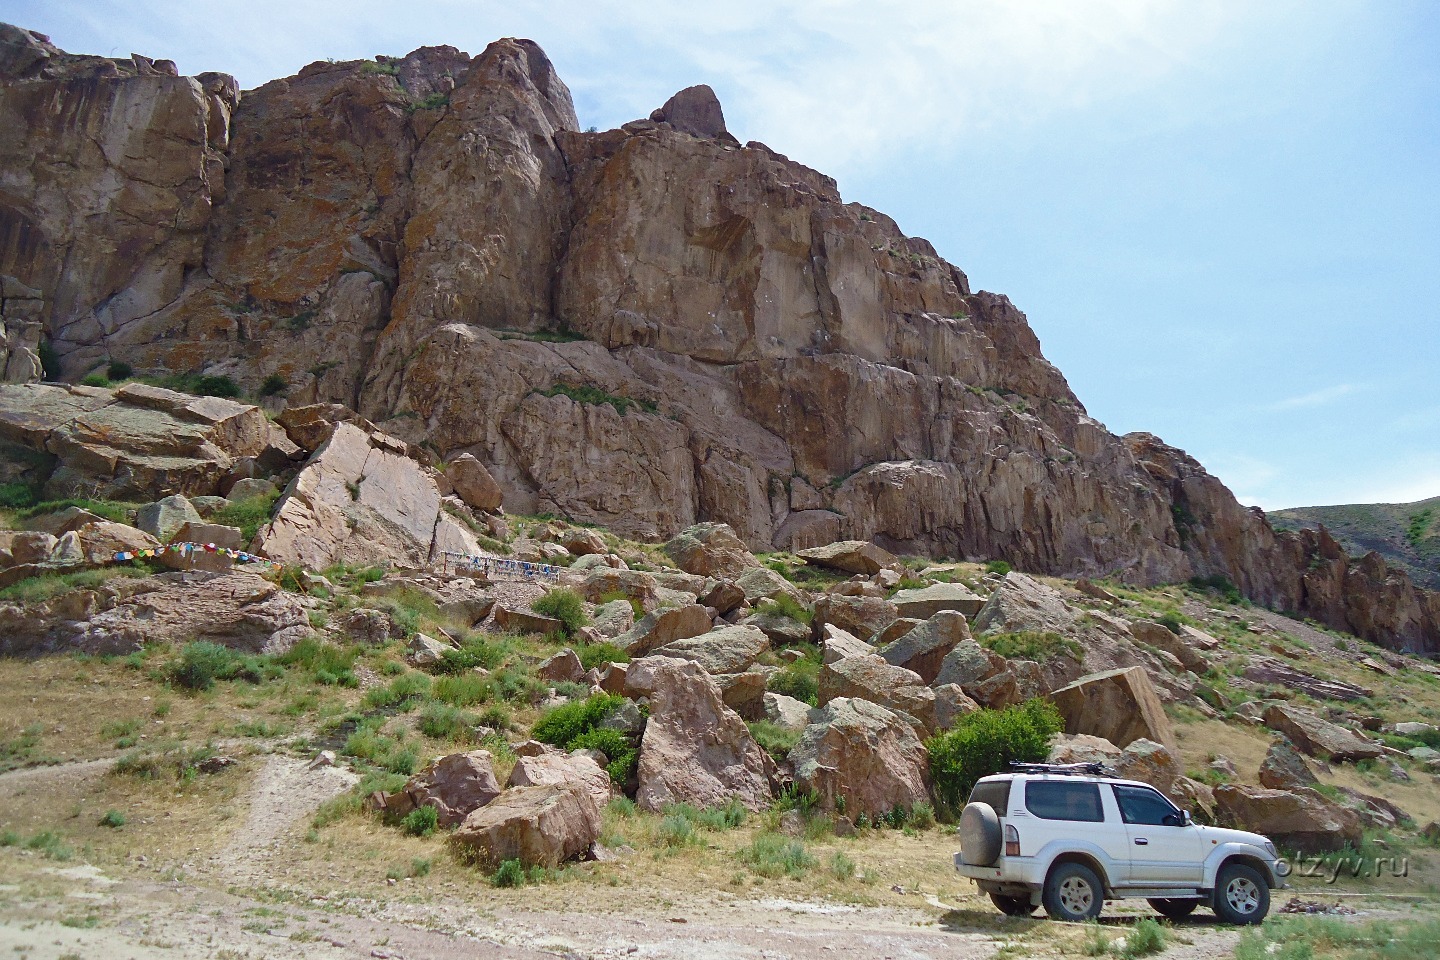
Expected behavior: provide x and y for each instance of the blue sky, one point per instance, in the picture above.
(1222, 218)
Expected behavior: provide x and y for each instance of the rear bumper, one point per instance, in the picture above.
(1007, 870)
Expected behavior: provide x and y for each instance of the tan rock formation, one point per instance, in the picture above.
(863, 753)
(1118, 705)
(542, 826)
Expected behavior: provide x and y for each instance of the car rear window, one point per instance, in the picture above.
(996, 793)
(1060, 800)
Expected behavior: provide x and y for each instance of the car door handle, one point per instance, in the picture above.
(1141, 842)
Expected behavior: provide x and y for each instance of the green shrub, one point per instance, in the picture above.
(985, 742)
(179, 763)
(510, 874)
(463, 689)
(476, 651)
(119, 370)
(249, 514)
(800, 679)
(599, 654)
(113, 819)
(15, 495)
(94, 380)
(421, 822)
(1171, 620)
(773, 738)
(785, 606)
(496, 715)
(564, 724)
(402, 692)
(1145, 938)
(441, 721)
(772, 855)
(997, 567)
(565, 605)
(621, 754)
(841, 866)
(202, 663)
(677, 830)
(1220, 584)
(328, 664)
(1032, 645)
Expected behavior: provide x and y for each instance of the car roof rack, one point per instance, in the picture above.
(1092, 769)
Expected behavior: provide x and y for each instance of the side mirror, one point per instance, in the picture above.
(1186, 819)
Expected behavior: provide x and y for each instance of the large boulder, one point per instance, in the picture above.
(473, 483)
(663, 626)
(1082, 748)
(633, 584)
(863, 753)
(1318, 737)
(924, 648)
(968, 663)
(722, 650)
(164, 518)
(711, 550)
(1119, 705)
(924, 603)
(837, 644)
(523, 620)
(786, 711)
(539, 826)
(1152, 763)
(100, 540)
(871, 678)
(951, 703)
(1024, 603)
(762, 583)
(1301, 819)
(696, 111)
(782, 630)
(613, 618)
(695, 749)
(850, 556)
(546, 769)
(455, 785)
(362, 499)
(1285, 769)
(1160, 637)
(862, 616)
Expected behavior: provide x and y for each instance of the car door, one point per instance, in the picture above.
(1069, 810)
(1164, 850)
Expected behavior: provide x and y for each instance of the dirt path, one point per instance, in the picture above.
(285, 794)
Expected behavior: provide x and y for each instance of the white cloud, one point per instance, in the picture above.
(1315, 398)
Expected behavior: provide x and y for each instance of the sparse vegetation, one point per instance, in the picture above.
(1033, 645)
(997, 567)
(565, 605)
(596, 396)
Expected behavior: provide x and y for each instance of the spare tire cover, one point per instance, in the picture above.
(979, 834)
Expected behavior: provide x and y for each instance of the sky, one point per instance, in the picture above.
(1221, 217)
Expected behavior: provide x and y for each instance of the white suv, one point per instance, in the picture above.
(1070, 837)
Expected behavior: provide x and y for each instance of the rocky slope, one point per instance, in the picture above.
(1407, 535)
(640, 327)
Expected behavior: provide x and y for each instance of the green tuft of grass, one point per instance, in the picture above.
(421, 822)
(113, 819)
(511, 874)
(249, 514)
(772, 855)
(595, 396)
(786, 606)
(1032, 645)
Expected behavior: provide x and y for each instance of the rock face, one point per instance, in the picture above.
(711, 550)
(1118, 705)
(1285, 769)
(695, 749)
(542, 826)
(1301, 819)
(850, 556)
(741, 346)
(864, 753)
(362, 499)
(923, 649)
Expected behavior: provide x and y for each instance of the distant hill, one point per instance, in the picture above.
(1405, 534)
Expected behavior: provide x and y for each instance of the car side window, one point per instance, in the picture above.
(1061, 800)
(1141, 806)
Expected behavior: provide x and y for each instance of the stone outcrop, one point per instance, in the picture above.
(432, 241)
(1269, 670)
(850, 556)
(924, 603)
(1285, 769)
(1024, 603)
(664, 626)
(695, 749)
(923, 648)
(473, 483)
(1317, 736)
(1299, 819)
(362, 499)
(1118, 705)
(237, 609)
(863, 617)
(543, 826)
(863, 753)
(871, 678)
(136, 443)
(711, 550)
(722, 650)
(548, 769)
(455, 785)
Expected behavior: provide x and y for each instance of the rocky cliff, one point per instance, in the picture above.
(640, 327)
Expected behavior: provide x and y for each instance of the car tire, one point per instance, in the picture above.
(1175, 909)
(1073, 893)
(1013, 906)
(1241, 895)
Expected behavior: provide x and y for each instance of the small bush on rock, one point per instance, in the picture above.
(565, 605)
(985, 742)
(622, 755)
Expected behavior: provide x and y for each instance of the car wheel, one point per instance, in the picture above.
(1012, 906)
(1241, 894)
(1073, 893)
(1174, 909)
